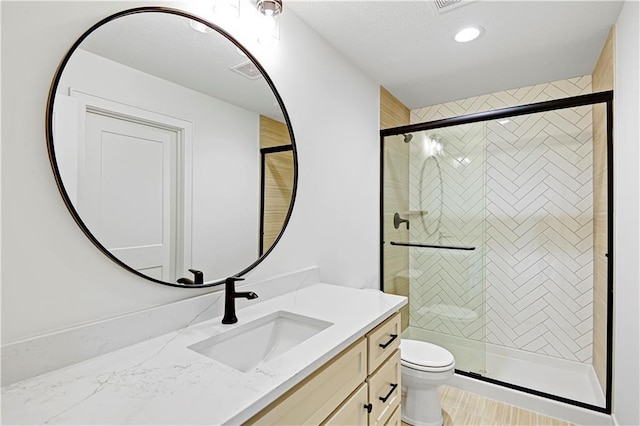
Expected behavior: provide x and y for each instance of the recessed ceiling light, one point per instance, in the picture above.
(468, 34)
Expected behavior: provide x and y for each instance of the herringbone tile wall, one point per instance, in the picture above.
(447, 193)
(525, 95)
(521, 192)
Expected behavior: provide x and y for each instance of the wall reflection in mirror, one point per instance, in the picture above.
(171, 148)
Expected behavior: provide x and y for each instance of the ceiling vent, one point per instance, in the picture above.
(447, 5)
(247, 69)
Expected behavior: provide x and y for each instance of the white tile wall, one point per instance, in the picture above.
(524, 95)
(448, 282)
(539, 234)
(521, 192)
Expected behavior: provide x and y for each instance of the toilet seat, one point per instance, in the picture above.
(423, 356)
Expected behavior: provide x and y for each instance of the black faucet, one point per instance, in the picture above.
(230, 296)
(198, 278)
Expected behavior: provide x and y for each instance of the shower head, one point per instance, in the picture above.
(407, 137)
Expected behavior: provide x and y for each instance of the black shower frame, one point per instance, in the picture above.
(606, 98)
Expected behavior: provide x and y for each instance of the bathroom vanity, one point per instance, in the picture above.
(335, 362)
(360, 386)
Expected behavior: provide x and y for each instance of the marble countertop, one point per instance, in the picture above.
(161, 381)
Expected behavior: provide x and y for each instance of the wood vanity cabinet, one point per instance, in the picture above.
(359, 386)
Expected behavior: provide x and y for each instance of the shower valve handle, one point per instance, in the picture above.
(397, 221)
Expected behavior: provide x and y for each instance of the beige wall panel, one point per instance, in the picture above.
(396, 189)
(393, 113)
(602, 79)
(401, 288)
(273, 133)
(278, 178)
(278, 191)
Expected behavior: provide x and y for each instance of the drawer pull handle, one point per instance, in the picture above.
(384, 345)
(368, 407)
(393, 387)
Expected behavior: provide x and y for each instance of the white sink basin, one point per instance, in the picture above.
(248, 345)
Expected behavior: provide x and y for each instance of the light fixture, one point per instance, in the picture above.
(269, 31)
(468, 34)
(269, 7)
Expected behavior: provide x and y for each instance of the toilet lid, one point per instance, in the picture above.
(422, 354)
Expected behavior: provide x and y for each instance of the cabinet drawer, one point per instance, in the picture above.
(382, 342)
(353, 412)
(317, 396)
(384, 390)
(395, 419)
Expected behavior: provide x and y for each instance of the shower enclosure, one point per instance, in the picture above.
(496, 226)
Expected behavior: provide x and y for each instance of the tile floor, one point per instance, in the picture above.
(461, 408)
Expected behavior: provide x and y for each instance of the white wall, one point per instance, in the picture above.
(626, 378)
(53, 277)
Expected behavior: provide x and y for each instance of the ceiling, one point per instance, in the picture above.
(165, 45)
(408, 46)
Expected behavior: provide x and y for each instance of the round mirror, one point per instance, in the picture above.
(171, 147)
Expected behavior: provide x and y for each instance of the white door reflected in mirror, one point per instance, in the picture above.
(130, 192)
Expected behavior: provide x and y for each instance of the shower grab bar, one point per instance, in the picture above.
(394, 243)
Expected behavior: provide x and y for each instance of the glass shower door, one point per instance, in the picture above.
(433, 230)
(498, 232)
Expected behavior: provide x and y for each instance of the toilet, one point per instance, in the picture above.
(424, 367)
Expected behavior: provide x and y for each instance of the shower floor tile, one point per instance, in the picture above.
(462, 408)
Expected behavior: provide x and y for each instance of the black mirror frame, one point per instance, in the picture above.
(56, 171)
